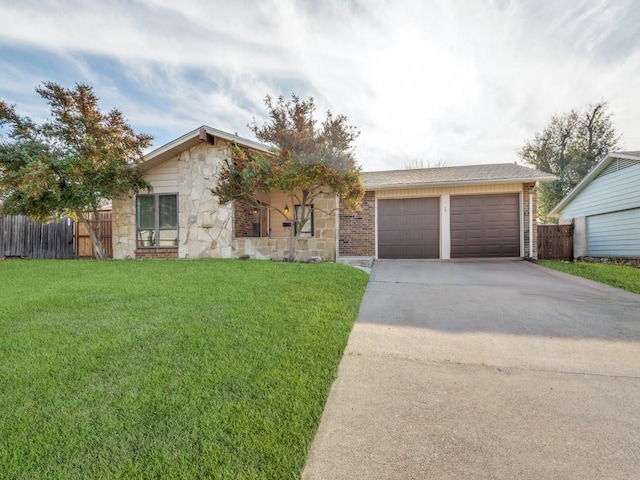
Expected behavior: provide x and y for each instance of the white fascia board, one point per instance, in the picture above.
(184, 142)
(245, 142)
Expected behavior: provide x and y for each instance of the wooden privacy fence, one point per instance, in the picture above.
(555, 242)
(84, 245)
(20, 236)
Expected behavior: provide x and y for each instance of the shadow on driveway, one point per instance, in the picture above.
(507, 296)
(473, 370)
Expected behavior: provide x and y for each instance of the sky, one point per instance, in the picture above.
(455, 82)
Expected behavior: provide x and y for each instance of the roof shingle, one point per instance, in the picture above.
(492, 173)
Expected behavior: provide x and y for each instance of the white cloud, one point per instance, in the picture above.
(463, 82)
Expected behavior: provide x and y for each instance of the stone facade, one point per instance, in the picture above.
(357, 229)
(204, 226)
(123, 224)
(206, 229)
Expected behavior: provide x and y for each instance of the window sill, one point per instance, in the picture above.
(152, 252)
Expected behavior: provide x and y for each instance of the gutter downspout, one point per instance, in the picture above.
(531, 223)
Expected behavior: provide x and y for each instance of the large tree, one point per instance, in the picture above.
(69, 164)
(568, 147)
(306, 160)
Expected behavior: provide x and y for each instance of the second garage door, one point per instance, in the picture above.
(485, 226)
(409, 228)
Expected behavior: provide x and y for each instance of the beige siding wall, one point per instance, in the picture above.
(280, 200)
(164, 177)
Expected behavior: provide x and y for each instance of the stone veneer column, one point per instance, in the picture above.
(206, 227)
(123, 224)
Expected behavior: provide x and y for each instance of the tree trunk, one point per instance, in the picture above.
(293, 242)
(93, 234)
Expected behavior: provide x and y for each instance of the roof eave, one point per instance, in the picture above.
(587, 179)
(458, 183)
(189, 140)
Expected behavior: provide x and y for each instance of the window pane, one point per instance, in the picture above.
(146, 212)
(146, 238)
(168, 238)
(255, 222)
(264, 222)
(168, 211)
(307, 228)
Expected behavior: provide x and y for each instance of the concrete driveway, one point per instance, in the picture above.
(485, 370)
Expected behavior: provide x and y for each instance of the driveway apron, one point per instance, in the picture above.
(484, 370)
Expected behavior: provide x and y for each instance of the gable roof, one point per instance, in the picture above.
(592, 175)
(381, 180)
(464, 175)
(192, 139)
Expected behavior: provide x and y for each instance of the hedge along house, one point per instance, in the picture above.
(605, 208)
(450, 212)
(181, 218)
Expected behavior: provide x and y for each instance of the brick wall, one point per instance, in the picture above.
(159, 253)
(357, 229)
(242, 219)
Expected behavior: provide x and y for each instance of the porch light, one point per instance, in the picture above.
(255, 211)
(286, 209)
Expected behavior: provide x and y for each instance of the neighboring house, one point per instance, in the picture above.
(450, 212)
(605, 208)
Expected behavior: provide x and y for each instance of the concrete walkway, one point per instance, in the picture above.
(485, 370)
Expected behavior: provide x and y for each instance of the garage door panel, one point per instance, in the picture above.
(398, 221)
(493, 217)
(409, 228)
(414, 206)
(485, 226)
(418, 237)
(399, 236)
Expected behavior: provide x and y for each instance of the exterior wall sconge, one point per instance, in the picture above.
(254, 211)
(286, 209)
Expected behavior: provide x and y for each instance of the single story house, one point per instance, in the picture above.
(450, 212)
(605, 208)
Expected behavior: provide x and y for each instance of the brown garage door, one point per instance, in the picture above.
(485, 226)
(409, 228)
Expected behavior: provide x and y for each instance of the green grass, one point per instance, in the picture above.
(167, 369)
(627, 278)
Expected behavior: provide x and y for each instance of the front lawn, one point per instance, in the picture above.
(167, 369)
(627, 278)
